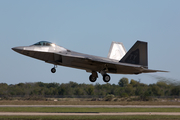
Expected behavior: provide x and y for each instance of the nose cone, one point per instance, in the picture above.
(18, 49)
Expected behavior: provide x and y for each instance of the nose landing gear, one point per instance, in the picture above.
(53, 70)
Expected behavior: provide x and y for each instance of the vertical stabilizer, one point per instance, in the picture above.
(116, 51)
(137, 54)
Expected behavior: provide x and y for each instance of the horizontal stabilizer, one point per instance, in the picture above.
(150, 71)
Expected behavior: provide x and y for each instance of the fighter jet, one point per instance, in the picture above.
(135, 61)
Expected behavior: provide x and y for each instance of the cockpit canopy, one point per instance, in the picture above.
(45, 43)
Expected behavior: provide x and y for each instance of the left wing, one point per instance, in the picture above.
(94, 63)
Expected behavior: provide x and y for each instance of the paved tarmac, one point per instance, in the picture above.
(98, 106)
(67, 114)
(92, 113)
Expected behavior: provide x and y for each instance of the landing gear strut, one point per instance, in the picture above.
(53, 70)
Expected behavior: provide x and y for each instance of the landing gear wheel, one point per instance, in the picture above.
(92, 78)
(106, 78)
(53, 70)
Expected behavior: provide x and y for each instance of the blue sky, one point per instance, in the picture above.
(88, 27)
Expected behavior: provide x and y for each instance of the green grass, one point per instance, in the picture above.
(83, 102)
(61, 109)
(150, 117)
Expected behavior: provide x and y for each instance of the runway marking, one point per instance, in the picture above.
(82, 114)
(97, 106)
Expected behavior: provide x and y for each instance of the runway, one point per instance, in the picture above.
(84, 114)
(90, 113)
(97, 106)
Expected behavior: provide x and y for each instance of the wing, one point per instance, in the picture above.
(88, 62)
(95, 63)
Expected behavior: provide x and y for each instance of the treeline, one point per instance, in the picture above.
(123, 88)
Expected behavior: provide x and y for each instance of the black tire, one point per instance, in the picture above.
(106, 78)
(92, 79)
(53, 70)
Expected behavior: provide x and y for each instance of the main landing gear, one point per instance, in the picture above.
(93, 77)
(106, 78)
(53, 70)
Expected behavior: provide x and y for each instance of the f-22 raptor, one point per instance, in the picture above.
(135, 61)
